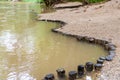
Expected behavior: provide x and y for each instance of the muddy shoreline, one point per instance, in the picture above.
(99, 21)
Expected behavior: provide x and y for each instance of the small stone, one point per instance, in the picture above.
(98, 41)
(49, 77)
(61, 72)
(109, 58)
(100, 61)
(91, 40)
(89, 66)
(72, 75)
(98, 66)
(53, 30)
(112, 48)
(112, 53)
(79, 38)
(83, 38)
(80, 70)
(102, 58)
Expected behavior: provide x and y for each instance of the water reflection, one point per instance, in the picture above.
(19, 76)
(8, 40)
(13, 45)
(15, 58)
(29, 43)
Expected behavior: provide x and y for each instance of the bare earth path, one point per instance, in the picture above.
(99, 21)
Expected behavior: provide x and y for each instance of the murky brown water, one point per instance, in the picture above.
(29, 50)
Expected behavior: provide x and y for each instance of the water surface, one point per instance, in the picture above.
(29, 50)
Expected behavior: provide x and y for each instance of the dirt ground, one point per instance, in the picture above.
(99, 21)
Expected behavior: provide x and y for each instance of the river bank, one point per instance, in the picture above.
(99, 21)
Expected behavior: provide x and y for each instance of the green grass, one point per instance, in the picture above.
(95, 1)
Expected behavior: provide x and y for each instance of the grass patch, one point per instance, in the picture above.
(95, 1)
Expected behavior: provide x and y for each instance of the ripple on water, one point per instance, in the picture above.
(3, 20)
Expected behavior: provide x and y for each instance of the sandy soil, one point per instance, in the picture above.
(99, 21)
(68, 4)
